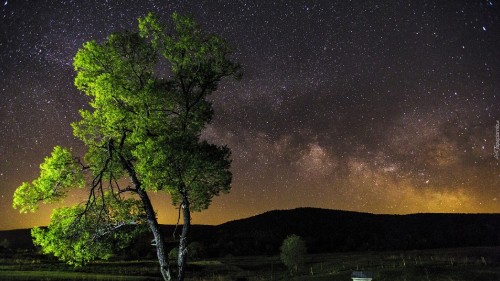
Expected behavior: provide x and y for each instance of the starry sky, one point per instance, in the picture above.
(372, 106)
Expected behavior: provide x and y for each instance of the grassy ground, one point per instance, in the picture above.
(465, 264)
(64, 275)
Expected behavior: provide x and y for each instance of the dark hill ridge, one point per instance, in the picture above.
(330, 230)
(327, 231)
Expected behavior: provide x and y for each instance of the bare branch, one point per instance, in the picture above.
(178, 219)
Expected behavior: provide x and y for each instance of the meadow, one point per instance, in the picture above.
(461, 264)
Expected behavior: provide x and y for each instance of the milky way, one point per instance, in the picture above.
(373, 106)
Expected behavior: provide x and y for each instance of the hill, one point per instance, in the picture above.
(331, 230)
(325, 231)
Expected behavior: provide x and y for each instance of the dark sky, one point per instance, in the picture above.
(373, 106)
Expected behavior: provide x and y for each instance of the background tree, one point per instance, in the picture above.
(4, 244)
(292, 252)
(173, 254)
(143, 135)
(196, 250)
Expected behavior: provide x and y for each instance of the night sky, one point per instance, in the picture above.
(372, 106)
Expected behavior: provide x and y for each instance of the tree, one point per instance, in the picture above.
(173, 255)
(196, 250)
(4, 244)
(142, 135)
(293, 251)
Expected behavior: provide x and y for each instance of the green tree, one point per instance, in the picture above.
(173, 254)
(196, 250)
(4, 244)
(293, 251)
(142, 135)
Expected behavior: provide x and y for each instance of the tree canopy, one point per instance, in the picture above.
(148, 95)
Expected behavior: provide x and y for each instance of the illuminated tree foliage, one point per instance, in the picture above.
(142, 135)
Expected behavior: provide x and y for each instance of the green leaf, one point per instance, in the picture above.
(82, 233)
(58, 173)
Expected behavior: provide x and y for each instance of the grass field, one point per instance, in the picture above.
(464, 264)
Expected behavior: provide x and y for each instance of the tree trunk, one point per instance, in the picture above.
(186, 217)
(155, 229)
(153, 223)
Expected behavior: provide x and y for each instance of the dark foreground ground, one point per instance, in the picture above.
(462, 264)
